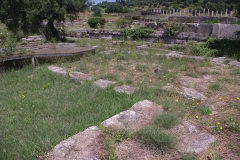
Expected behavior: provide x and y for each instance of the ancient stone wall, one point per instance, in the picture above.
(192, 32)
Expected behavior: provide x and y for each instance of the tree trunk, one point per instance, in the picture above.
(54, 31)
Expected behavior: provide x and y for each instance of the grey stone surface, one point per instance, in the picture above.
(234, 63)
(139, 114)
(82, 146)
(103, 83)
(57, 70)
(75, 76)
(191, 93)
(191, 138)
(219, 60)
(124, 89)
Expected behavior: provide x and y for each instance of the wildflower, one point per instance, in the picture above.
(150, 80)
(176, 100)
(197, 103)
(220, 98)
(218, 123)
(23, 96)
(238, 98)
(197, 117)
(220, 127)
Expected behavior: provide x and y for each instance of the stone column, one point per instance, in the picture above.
(231, 13)
(166, 12)
(195, 13)
(208, 13)
(221, 13)
(180, 12)
(203, 11)
(226, 12)
(163, 11)
(217, 13)
(173, 12)
(212, 13)
(177, 12)
(199, 13)
(184, 12)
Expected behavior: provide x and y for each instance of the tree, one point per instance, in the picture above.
(28, 15)
(237, 4)
(96, 12)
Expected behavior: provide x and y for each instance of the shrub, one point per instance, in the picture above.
(9, 46)
(166, 120)
(138, 33)
(96, 12)
(93, 22)
(224, 47)
(122, 23)
(172, 28)
(156, 138)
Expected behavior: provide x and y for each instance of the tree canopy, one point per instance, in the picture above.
(27, 16)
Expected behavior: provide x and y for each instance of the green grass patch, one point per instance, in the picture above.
(154, 137)
(166, 120)
(205, 110)
(188, 156)
(37, 113)
(110, 138)
(214, 87)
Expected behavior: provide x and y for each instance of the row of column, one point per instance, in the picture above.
(192, 13)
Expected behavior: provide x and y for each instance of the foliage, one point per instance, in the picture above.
(166, 120)
(96, 12)
(28, 15)
(9, 46)
(156, 138)
(93, 22)
(200, 50)
(171, 28)
(123, 22)
(224, 47)
(138, 33)
(116, 8)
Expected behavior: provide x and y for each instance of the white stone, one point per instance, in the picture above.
(57, 70)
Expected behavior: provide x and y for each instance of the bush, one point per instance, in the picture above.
(166, 120)
(9, 46)
(224, 47)
(201, 50)
(138, 33)
(156, 138)
(122, 23)
(172, 28)
(96, 12)
(93, 22)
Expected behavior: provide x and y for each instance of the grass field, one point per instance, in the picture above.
(38, 109)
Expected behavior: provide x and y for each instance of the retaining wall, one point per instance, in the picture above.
(192, 31)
